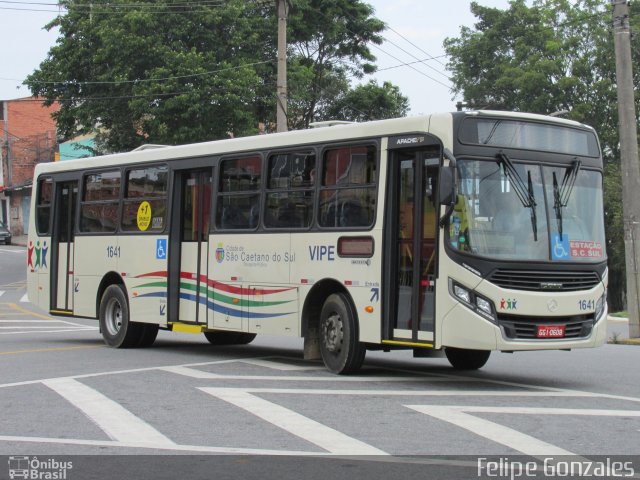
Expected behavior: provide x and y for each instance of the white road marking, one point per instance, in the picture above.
(25, 298)
(61, 330)
(325, 437)
(19, 320)
(49, 322)
(1, 292)
(6, 250)
(280, 365)
(26, 327)
(407, 393)
(190, 372)
(116, 421)
(506, 436)
(551, 411)
(175, 446)
(195, 373)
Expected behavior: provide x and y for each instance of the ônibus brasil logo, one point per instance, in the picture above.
(34, 468)
(219, 253)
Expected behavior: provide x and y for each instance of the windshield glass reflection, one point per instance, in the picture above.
(491, 219)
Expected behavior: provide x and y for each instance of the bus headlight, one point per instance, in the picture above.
(462, 293)
(600, 305)
(473, 300)
(484, 306)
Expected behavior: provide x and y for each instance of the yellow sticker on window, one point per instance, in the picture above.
(144, 216)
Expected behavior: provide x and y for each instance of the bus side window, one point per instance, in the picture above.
(43, 206)
(348, 187)
(290, 188)
(100, 200)
(238, 197)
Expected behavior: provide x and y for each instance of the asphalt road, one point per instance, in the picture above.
(264, 412)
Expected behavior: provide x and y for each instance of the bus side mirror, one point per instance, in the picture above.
(446, 186)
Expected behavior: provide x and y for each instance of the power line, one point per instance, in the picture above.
(431, 57)
(141, 80)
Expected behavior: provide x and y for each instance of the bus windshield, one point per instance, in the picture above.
(518, 211)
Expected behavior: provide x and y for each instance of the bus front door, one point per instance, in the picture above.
(195, 207)
(415, 250)
(62, 251)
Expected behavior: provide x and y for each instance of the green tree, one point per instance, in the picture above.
(329, 44)
(175, 72)
(163, 71)
(369, 102)
(555, 55)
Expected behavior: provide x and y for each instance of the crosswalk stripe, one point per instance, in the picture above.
(314, 432)
(506, 436)
(282, 366)
(115, 420)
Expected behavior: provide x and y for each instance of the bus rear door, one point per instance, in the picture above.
(194, 209)
(62, 248)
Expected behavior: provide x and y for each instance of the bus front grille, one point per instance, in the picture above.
(535, 280)
(526, 328)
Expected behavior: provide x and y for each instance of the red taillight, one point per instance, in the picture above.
(355, 246)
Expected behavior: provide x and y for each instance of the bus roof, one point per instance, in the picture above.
(439, 124)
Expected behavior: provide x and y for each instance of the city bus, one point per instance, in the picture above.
(453, 234)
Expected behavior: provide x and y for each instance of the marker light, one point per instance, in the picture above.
(368, 309)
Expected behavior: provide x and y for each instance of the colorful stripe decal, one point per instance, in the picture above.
(213, 299)
(232, 312)
(218, 285)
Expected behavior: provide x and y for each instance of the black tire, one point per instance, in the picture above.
(149, 334)
(229, 338)
(117, 330)
(341, 350)
(463, 359)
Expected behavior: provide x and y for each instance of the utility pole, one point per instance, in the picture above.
(628, 160)
(281, 85)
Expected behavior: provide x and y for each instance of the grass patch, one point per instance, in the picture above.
(623, 314)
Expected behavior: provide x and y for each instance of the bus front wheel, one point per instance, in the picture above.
(117, 330)
(465, 359)
(340, 347)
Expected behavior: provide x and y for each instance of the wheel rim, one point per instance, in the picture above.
(333, 333)
(113, 317)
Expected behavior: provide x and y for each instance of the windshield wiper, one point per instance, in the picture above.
(523, 192)
(561, 195)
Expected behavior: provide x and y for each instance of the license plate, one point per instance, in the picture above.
(550, 331)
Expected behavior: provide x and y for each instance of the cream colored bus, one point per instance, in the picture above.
(459, 233)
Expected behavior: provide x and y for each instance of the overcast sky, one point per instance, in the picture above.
(423, 23)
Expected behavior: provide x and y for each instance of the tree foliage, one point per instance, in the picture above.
(173, 72)
(552, 56)
(369, 102)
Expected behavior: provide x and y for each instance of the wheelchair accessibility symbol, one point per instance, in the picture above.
(161, 248)
(560, 247)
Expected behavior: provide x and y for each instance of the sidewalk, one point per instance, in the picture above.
(19, 240)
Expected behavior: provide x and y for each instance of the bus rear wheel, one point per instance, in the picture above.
(465, 359)
(340, 347)
(229, 338)
(117, 329)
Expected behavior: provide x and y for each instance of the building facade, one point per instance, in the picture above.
(27, 137)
